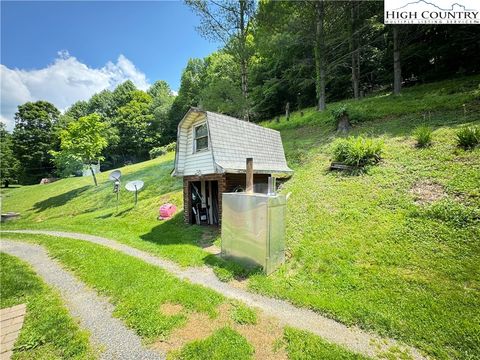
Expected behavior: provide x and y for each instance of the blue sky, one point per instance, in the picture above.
(63, 51)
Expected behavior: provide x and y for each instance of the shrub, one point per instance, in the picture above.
(339, 112)
(157, 151)
(162, 150)
(171, 147)
(357, 151)
(468, 137)
(423, 135)
(341, 118)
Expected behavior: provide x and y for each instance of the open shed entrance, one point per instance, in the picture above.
(204, 209)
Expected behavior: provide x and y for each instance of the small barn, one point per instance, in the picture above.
(211, 158)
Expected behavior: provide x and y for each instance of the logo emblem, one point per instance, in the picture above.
(432, 12)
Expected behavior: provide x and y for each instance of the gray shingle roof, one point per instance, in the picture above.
(233, 140)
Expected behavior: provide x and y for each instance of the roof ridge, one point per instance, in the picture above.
(248, 123)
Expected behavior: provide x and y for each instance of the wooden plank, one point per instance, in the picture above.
(340, 166)
(249, 179)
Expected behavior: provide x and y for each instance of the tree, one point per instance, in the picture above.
(397, 70)
(221, 91)
(33, 139)
(103, 104)
(134, 122)
(229, 22)
(162, 100)
(122, 94)
(191, 84)
(79, 109)
(8, 162)
(320, 61)
(84, 139)
(354, 46)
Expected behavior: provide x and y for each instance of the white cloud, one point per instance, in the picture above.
(62, 83)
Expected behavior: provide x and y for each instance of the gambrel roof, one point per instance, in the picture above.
(231, 141)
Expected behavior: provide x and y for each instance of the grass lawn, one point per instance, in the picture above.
(394, 249)
(48, 331)
(224, 343)
(139, 292)
(137, 289)
(303, 345)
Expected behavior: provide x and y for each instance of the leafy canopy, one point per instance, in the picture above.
(85, 138)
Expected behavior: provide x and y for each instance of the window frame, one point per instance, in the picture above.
(195, 138)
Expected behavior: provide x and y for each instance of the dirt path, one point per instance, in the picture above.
(352, 338)
(95, 313)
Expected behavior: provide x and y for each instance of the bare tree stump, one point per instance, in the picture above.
(343, 124)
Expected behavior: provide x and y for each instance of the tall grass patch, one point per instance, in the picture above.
(357, 151)
(468, 137)
(423, 136)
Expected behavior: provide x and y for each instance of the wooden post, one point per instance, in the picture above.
(249, 181)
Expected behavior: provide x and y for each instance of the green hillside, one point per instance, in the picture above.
(394, 249)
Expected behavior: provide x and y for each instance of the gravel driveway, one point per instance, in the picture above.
(95, 312)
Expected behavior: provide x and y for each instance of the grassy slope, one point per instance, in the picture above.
(360, 249)
(48, 331)
(74, 204)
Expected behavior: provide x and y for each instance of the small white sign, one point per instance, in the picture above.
(432, 12)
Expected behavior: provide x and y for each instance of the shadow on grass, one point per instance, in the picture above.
(175, 232)
(115, 214)
(59, 200)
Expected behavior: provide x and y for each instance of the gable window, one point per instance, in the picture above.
(200, 137)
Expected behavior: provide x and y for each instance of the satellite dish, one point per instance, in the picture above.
(134, 186)
(115, 175)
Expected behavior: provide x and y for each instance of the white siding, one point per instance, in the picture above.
(230, 142)
(188, 162)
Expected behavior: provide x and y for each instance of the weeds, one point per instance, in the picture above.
(357, 151)
(243, 315)
(468, 137)
(423, 136)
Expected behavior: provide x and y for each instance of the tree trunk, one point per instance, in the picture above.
(354, 48)
(397, 70)
(320, 54)
(245, 88)
(93, 174)
(343, 124)
(243, 59)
